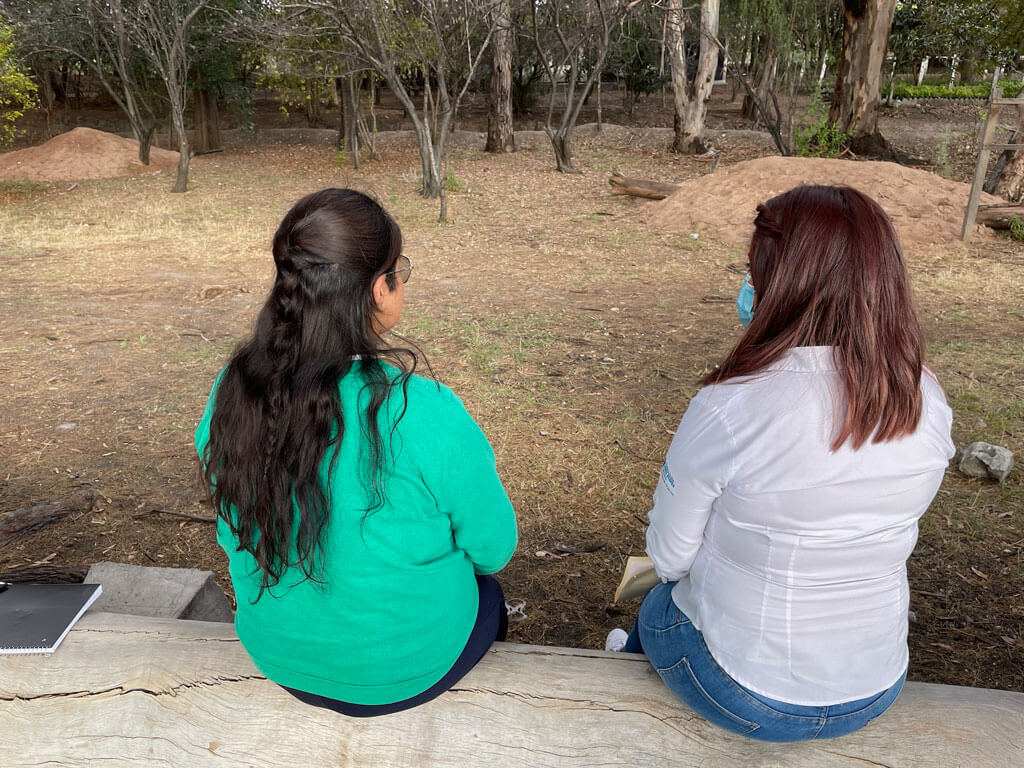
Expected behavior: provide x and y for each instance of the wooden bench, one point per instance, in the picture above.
(132, 691)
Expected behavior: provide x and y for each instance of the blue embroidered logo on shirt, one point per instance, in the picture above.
(667, 477)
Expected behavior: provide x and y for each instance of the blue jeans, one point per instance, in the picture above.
(676, 649)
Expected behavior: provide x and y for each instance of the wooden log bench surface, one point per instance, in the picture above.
(130, 690)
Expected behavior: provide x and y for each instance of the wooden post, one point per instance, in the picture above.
(985, 146)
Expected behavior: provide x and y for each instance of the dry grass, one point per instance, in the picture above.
(574, 334)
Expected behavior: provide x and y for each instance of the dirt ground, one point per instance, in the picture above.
(574, 331)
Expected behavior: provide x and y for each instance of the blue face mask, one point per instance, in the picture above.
(745, 302)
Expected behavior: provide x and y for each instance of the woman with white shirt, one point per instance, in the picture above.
(788, 502)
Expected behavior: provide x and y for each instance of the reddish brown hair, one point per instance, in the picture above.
(828, 270)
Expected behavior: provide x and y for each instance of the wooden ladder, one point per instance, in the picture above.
(986, 145)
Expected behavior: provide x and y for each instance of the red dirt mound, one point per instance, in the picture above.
(82, 153)
(926, 209)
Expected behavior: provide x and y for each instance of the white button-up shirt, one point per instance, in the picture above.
(791, 558)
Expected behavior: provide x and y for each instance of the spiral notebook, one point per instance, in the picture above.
(35, 618)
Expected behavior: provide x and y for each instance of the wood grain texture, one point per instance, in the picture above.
(126, 690)
(22, 522)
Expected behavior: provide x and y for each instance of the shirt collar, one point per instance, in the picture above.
(806, 359)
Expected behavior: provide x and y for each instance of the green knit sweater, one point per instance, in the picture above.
(399, 597)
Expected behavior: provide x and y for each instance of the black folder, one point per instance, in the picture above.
(34, 618)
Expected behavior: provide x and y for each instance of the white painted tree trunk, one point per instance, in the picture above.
(922, 70)
(954, 65)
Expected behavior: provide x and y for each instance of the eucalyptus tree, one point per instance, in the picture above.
(691, 94)
(572, 39)
(427, 51)
(500, 133)
(858, 91)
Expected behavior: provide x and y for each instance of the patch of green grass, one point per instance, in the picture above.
(1017, 228)
(14, 192)
(452, 184)
(139, 342)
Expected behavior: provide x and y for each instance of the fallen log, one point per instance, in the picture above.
(21, 522)
(46, 574)
(652, 190)
(999, 216)
(130, 690)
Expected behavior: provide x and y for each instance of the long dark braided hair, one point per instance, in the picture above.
(278, 408)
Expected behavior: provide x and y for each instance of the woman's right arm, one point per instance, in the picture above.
(699, 464)
(463, 477)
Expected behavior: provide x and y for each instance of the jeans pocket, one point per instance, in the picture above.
(667, 625)
(684, 683)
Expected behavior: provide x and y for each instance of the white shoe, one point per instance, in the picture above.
(616, 640)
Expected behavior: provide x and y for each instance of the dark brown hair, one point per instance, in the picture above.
(277, 412)
(828, 270)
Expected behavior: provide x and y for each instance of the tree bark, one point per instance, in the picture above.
(855, 100)
(339, 87)
(999, 216)
(46, 574)
(652, 190)
(145, 143)
(21, 522)
(675, 24)
(206, 136)
(351, 101)
(184, 150)
(922, 70)
(1010, 183)
(689, 121)
(500, 133)
(561, 143)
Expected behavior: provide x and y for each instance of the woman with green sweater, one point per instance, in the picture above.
(358, 503)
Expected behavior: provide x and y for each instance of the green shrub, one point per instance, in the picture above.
(979, 91)
(818, 138)
(17, 91)
(1017, 228)
(451, 184)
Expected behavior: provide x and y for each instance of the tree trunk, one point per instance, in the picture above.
(866, 25)
(1010, 183)
(500, 133)
(762, 78)
(675, 23)
(207, 129)
(999, 216)
(689, 128)
(922, 70)
(145, 142)
(432, 181)
(46, 574)
(21, 522)
(184, 151)
(351, 118)
(339, 86)
(652, 190)
(561, 143)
